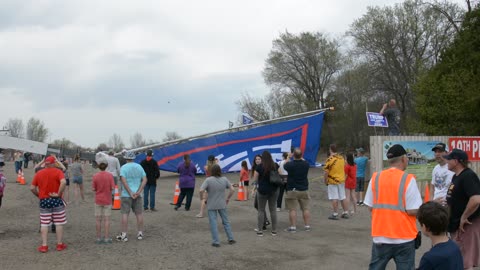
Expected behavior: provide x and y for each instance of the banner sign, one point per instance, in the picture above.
(231, 148)
(421, 158)
(246, 120)
(471, 145)
(376, 120)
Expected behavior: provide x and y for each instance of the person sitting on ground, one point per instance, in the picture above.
(444, 254)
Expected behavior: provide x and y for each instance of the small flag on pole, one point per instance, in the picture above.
(246, 119)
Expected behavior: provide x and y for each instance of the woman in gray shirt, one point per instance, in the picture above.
(215, 186)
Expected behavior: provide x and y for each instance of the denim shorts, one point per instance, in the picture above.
(78, 180)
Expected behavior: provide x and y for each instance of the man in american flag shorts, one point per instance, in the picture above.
(48, 185)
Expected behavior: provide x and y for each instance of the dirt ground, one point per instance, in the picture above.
(179, 240)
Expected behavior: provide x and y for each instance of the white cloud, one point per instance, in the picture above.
(92, 68)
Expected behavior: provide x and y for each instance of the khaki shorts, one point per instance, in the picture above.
(294, 198)
(103, 210)
(133, 204)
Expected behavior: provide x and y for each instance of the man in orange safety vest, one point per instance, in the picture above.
(393, 198)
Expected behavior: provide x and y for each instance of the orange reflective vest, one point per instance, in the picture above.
(389, 216)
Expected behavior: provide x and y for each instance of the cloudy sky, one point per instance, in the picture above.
(89, 69)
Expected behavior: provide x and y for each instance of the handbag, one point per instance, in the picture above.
(275, 178)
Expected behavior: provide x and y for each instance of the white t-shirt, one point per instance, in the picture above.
(281, 170)
(413, 202)
(441, 179)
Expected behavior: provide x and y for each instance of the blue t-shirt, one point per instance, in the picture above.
(442, 256)
(133, 174)
(361, 165)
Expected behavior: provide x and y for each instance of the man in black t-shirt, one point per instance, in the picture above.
(393, 115)
(463, 198)
(297, 190)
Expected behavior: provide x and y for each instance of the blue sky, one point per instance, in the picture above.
(89, 69)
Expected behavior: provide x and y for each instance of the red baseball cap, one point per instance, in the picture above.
(49, 160)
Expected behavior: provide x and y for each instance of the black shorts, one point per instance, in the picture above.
(245, 183)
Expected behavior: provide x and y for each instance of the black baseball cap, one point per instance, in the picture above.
(149, 152)
(211, 157)
(456, 154)
(440, 146)
(396, 151)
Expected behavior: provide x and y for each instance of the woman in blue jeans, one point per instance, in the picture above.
(215, 186)
(266, 192)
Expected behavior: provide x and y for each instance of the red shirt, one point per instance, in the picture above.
(47, 180)
(351, 173)
(103, 185)
(244, 175)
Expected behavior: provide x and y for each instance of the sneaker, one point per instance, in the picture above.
(274, 233)
(345, 215)
(122, 237)
(145, 209)
(260, 234)
(153, 209)
(352, 213)
(267, 223)
(333, 217)
(99, 241)
(140, 236)
(256, 230)
(107, 240)
(42, 249)
(291, 230)
(359, 203)
(308, 228)
(215, 245)
(61, 247)
(278, 209)
(199, 216)
(231, 242)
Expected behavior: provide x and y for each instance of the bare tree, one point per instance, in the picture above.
(102, 147)
(137, 140)
(401, 43)
(15, 127)
(36, 130)
(64, 143)
(303, 65)
(116, 143)
(171, 136)
(257, 108)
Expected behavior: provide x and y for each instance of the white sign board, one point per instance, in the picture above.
(24, 145)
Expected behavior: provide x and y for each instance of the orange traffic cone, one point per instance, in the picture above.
(116, 200)
(241, 192)
(176, 194)
(19, 176)
(427, 194)
(22, 178)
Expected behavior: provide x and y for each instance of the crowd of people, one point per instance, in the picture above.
(450, 218)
